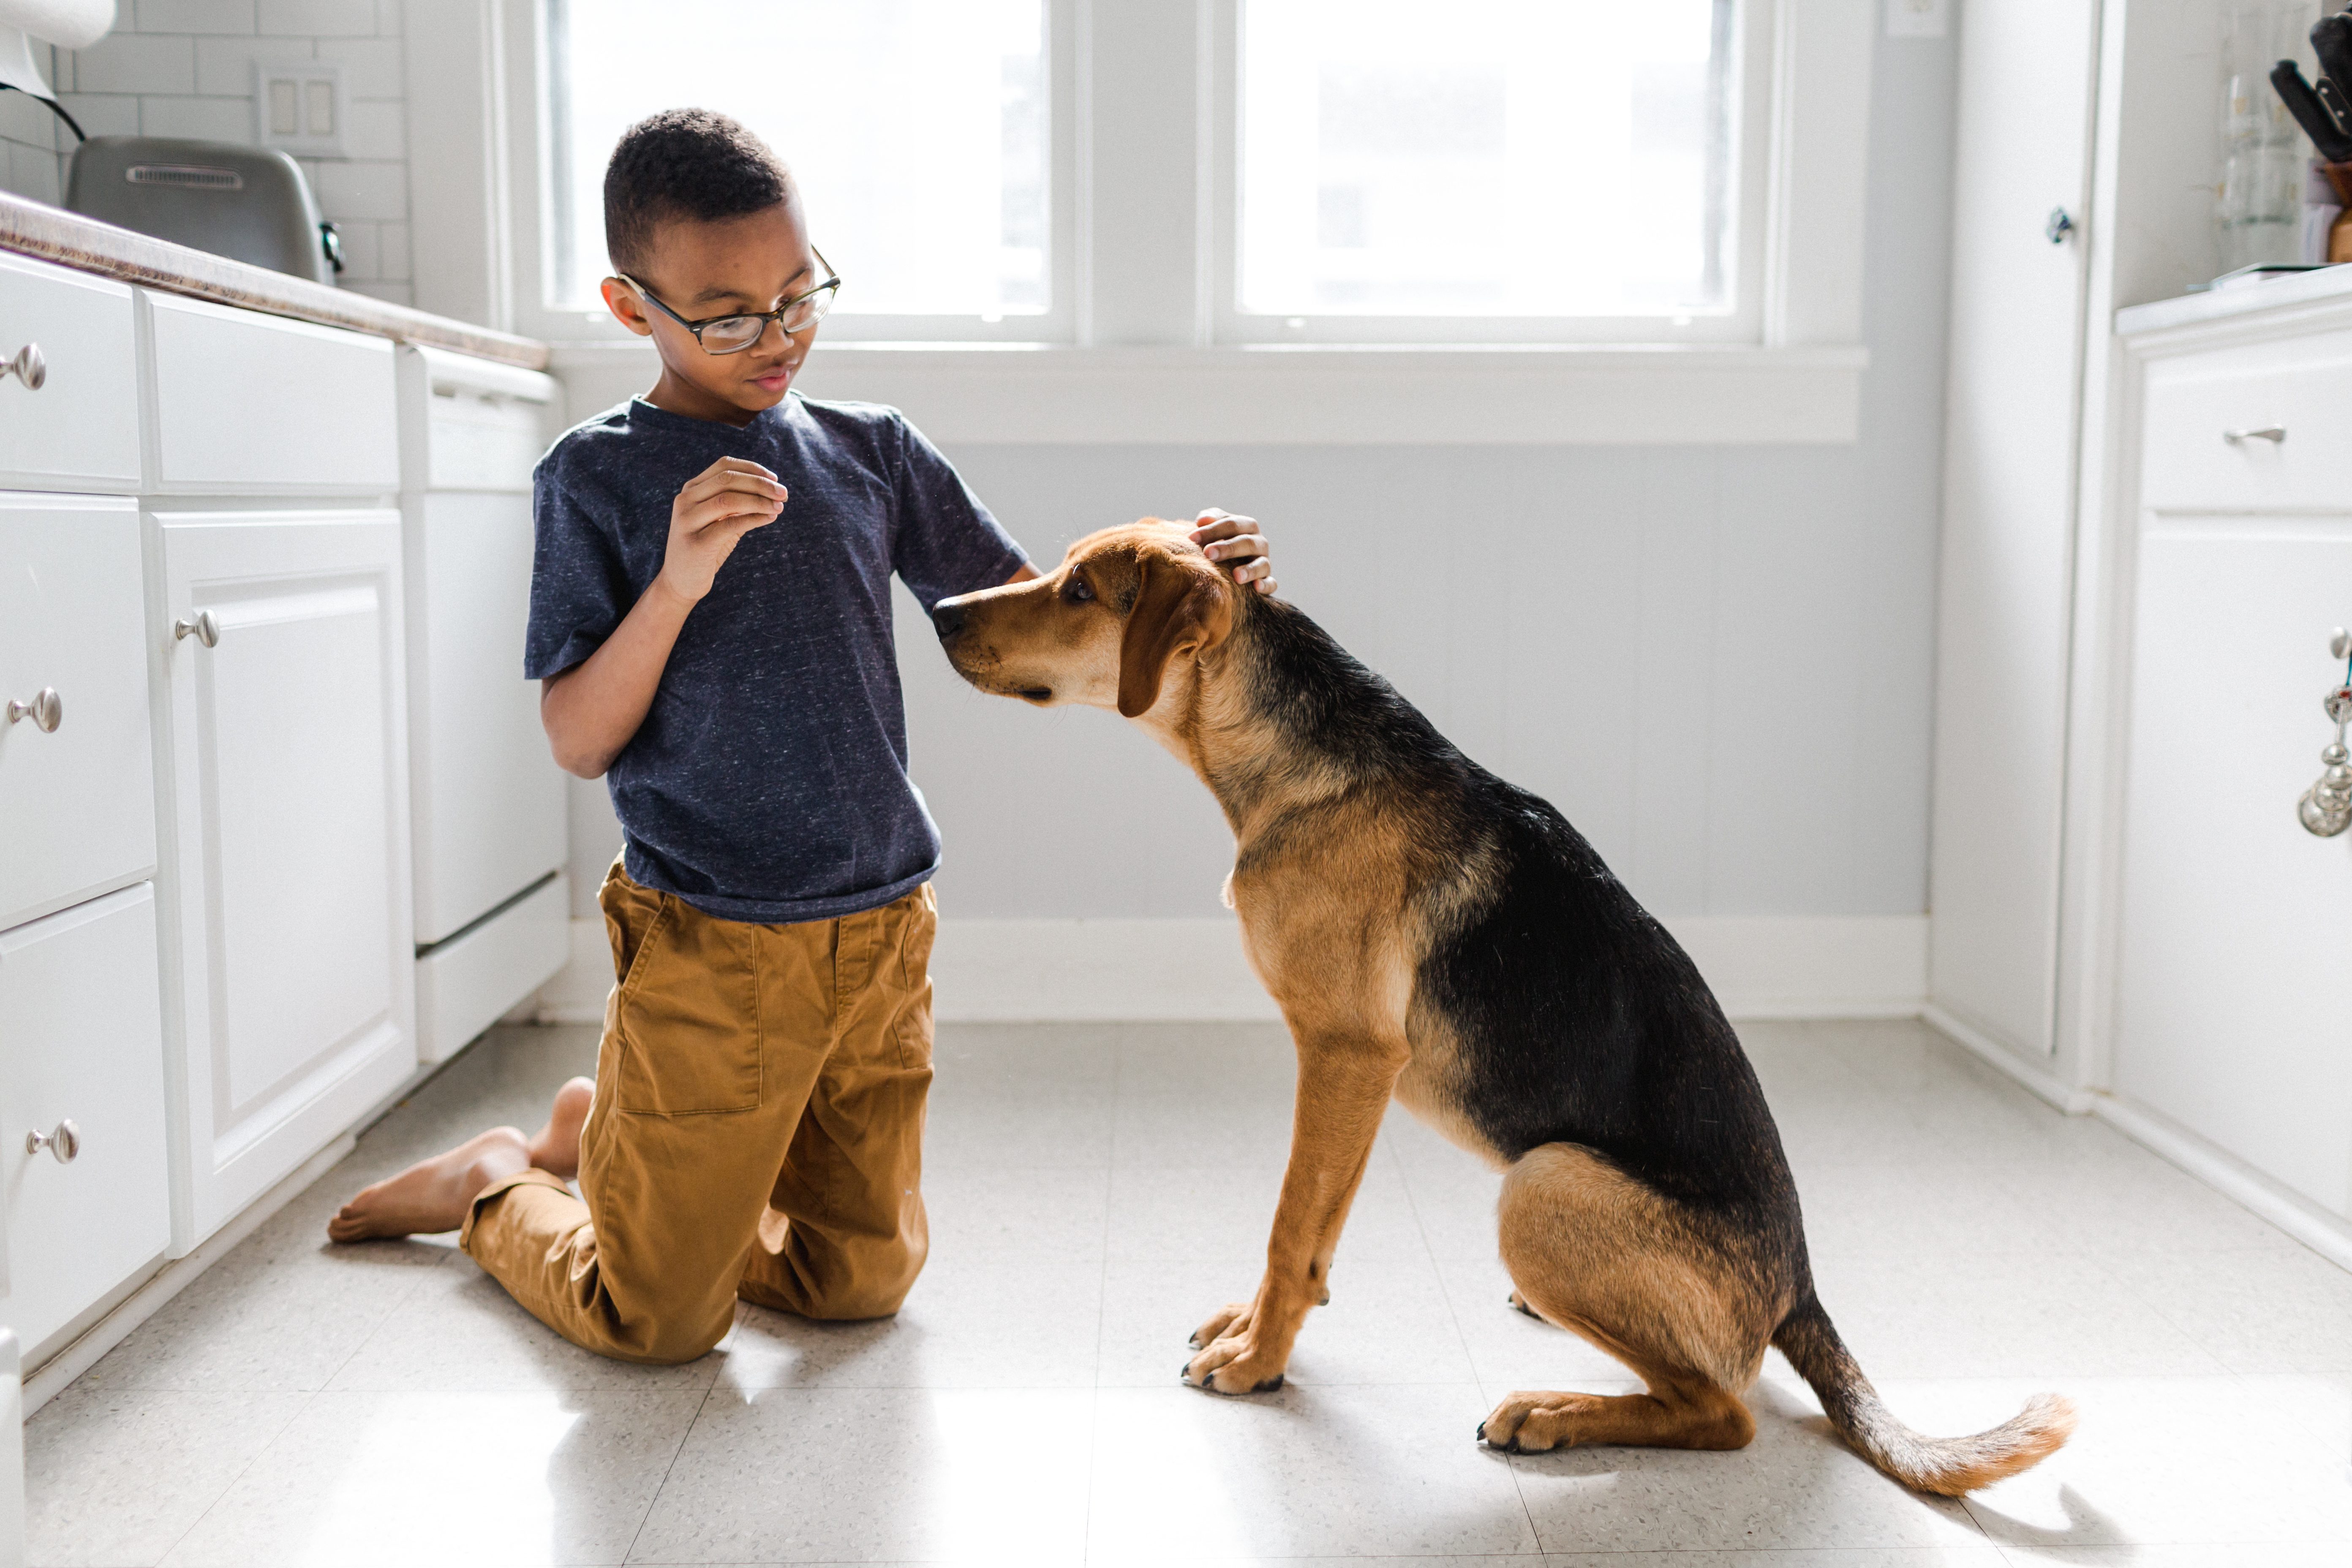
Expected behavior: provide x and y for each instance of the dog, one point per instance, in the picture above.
(1437, 935)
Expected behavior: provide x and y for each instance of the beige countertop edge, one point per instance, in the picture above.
(52, 234)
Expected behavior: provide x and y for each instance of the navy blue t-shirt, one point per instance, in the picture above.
(769, 781)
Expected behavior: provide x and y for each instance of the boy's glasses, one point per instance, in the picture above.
(733, 334)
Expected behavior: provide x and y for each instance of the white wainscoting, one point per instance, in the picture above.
(1030, 970)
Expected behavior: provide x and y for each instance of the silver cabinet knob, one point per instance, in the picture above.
(2061, 224)
(46, 710)
(63, 1141)
(29, 367)
(2339, 643)
(200, 625)
(2274, 433)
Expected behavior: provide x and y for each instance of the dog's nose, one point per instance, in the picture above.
(947, 617)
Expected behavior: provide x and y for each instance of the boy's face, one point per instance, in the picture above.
(731, 266)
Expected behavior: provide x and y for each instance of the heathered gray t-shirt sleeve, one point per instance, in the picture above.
(579, 586)
(945, 543)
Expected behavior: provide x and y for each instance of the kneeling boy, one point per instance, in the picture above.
(755, 1125)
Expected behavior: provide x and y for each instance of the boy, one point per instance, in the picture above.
(754, 1127)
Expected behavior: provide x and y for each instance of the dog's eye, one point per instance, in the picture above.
(1079, 591)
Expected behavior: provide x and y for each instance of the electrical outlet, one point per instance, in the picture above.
(299, 107)
(1919, 18)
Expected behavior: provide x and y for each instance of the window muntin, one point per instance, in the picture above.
(1528, 158)
(917, 131)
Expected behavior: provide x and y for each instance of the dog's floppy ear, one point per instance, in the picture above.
(1179, 606)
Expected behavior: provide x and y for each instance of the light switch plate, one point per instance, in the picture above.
(1919, 18)
(299, 107)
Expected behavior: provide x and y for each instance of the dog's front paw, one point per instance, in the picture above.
(1233, 1365)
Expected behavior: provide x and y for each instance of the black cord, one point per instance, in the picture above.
(54, 108)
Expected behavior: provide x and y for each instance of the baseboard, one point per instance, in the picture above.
(2324, 1233)
(2067, 1097)
(1037, 971)
(44, 1382)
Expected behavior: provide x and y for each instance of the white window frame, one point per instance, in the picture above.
(1752, 47)
(1141, 345)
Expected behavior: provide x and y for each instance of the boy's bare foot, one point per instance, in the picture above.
(431, 1194)
(555, 1148)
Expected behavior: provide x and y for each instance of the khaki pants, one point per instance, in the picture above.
(757, 1131)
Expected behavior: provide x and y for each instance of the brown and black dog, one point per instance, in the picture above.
(1435, 934)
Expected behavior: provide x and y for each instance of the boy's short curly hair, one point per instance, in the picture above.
(685, 162)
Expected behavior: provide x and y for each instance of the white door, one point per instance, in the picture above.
(2236, 929)
(81, 1040)
(2005, 578)
(288, 872)
(77, 781)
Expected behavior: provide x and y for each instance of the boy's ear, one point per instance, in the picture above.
(1181, 606)
(626, 308)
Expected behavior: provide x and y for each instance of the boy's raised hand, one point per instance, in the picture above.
(713, 511)
(1224, 537)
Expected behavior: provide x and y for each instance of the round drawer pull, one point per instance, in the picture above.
(2274, 433)
(64, 1142)
(46, 710)
(29, 367)
(200, 625)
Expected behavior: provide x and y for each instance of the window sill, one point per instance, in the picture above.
(1279, 395)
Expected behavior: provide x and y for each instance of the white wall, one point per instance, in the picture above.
(184, 67)
(1716, 660)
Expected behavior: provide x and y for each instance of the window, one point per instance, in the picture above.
(916, 130)
(1536, 160)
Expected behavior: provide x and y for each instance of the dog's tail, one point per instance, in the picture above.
(1949, 1466)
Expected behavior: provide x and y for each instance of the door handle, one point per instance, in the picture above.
(29, 367)
(63, 1141)
(46, 710)
(2274, 433)
(200, 625)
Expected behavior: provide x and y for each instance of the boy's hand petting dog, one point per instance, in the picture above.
(1224, 537)
(713, 511)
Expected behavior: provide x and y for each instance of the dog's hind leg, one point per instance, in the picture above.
(1597, 1252)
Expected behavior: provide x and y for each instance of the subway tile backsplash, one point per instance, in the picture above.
(184, 67)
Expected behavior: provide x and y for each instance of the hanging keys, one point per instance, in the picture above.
(2325, 808)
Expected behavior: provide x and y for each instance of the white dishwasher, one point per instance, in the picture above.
(492, 903)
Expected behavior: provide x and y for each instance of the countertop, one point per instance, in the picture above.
(52, 234)
(2217, 304)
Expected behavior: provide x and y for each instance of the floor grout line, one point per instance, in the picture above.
(654, 1501)
(293, 1415)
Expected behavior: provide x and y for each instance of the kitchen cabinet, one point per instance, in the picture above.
(76, 783)
(79, 429)
(81, 1063)
(283, 739)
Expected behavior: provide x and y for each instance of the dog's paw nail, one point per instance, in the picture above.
(1482, 1431)
(1195, 1343)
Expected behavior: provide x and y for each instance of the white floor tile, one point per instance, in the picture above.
(115, 1477)
(854, 1475)
(2282, 1310)
(1013, 1211)
(968, 1323)
(1225, 1214)
(399, 1479)
(1182, 1476)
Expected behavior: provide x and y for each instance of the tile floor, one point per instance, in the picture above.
(1095, 1191)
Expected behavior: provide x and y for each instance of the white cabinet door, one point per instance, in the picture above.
(288, 869)
(490, 809)
(82, 1039)
(2005, 580)
(2236, 925)
(80, 799)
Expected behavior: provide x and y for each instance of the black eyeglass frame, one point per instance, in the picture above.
(832, 284)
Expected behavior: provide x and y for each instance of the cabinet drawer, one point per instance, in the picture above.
(78, 800)
(469, 424)
(2302, 387)
(248, 403)
(82, 1039)
(81, 429)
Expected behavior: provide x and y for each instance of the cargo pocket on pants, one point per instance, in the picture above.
(689, 1018)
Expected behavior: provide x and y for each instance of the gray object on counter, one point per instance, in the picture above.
(251, 204)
